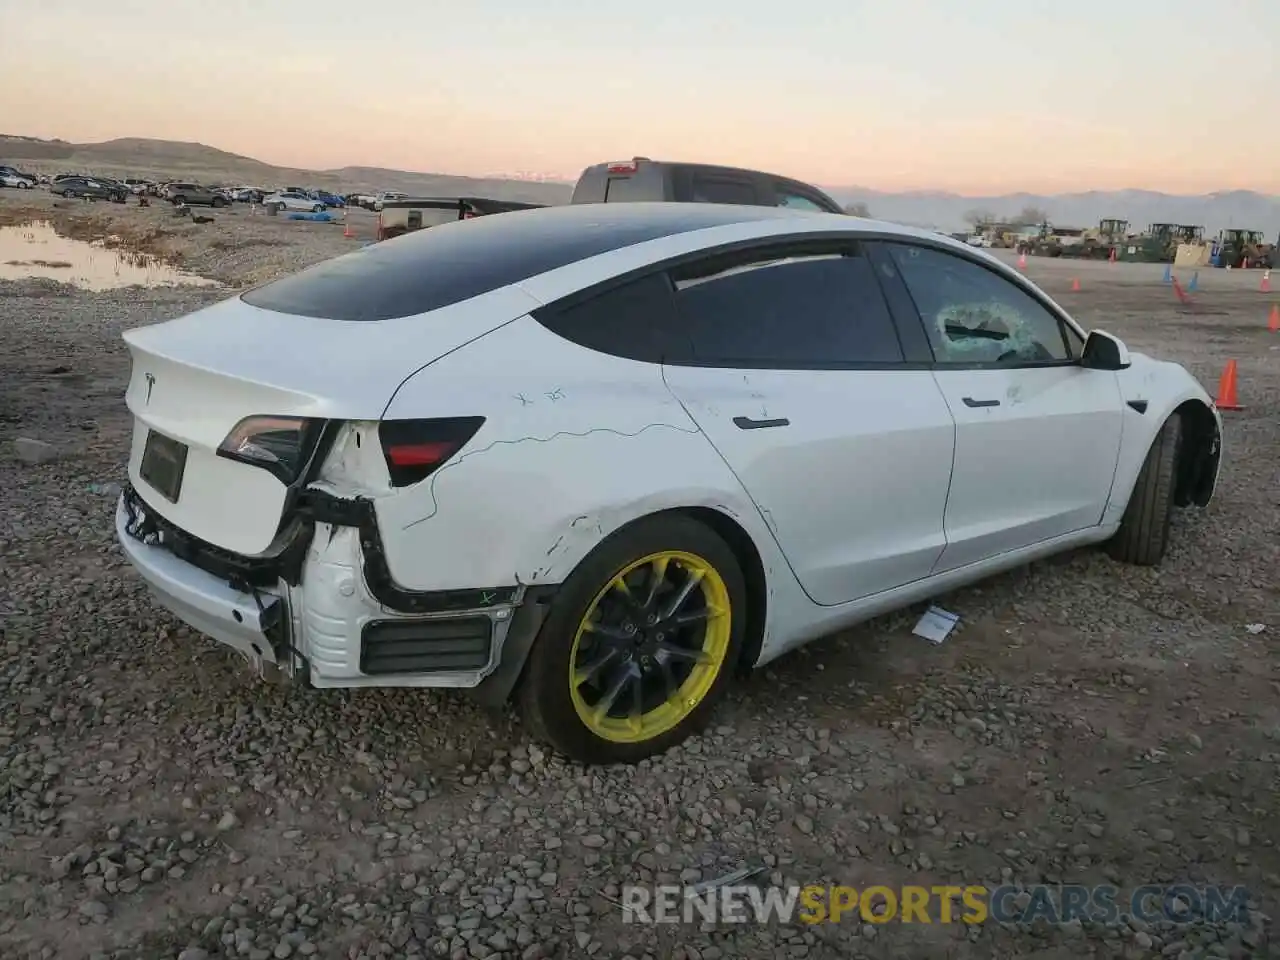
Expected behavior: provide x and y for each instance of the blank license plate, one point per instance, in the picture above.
(163, 462)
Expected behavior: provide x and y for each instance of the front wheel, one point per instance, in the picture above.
(639, 644)
(1144, 529)
(318, 208)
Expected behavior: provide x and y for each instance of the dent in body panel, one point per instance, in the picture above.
(558, 465)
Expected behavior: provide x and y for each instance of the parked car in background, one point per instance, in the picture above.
(193, 194)
(21, 174)
(365, 200)
(137, 187)
(86, 187)
(9, 177)
(388, 195)
(293, 200)
(328, 199)
(602, 458)
(248, 194)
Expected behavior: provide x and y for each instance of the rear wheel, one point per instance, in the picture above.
(1144, 529)
(639, 644)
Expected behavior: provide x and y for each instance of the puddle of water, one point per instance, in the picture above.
(36, 250)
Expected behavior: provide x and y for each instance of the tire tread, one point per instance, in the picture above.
(1144, 529)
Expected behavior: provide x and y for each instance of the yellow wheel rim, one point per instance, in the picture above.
(650, 647)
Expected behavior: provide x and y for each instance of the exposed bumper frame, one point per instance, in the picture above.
(249, 620)
(209, 587)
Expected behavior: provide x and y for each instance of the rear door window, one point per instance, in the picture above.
(800, 309)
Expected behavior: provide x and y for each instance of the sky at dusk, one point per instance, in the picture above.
(985, 96)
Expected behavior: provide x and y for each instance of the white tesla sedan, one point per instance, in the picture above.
(596, 457)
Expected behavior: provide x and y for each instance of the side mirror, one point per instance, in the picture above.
(1102, 351)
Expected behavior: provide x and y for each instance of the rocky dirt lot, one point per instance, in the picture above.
(1088, 723)
(239, 246)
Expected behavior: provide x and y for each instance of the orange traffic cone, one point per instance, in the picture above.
(346, 227)
(1181, 294)
(1075, 285)
(1273, 321)
(1265, 286)
(1022, 261)
(1227, 399)
(1112, 258)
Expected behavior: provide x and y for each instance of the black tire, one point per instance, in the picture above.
(217, 202)
(178, 201)
(318, 208)
(1144, 529)
(545, 695)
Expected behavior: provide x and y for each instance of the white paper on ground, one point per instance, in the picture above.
(936, 624)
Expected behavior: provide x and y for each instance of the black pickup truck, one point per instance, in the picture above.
(643, 179)
(626, 181)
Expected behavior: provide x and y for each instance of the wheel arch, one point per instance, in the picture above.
(1169, 391)
(1198, 462)
(748, 555)
(497, 689)
(722, 521)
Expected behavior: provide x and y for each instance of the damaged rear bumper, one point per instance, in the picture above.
(251, 623)
(324, 607)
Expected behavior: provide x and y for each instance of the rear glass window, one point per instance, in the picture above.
(712, 189)
(646, 185)
(429, 269)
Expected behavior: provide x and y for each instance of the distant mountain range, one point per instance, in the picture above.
(139, 156)
(142, 157)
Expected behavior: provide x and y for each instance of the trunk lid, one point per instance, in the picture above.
(195, 378)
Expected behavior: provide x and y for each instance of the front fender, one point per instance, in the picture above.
(1159, 389)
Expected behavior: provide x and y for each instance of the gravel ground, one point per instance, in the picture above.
(1088, 722)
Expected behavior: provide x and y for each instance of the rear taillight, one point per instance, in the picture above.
(625, 166)
(415, 449)
(279, 445)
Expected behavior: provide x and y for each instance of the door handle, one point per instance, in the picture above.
(746, 423)
(970, 402)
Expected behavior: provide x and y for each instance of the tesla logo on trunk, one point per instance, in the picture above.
(151, 382)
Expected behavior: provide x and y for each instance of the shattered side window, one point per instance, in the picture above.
(973, 315)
